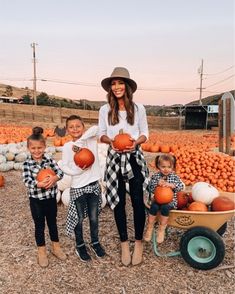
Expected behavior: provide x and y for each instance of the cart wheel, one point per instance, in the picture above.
(222, 229)
(202, 248)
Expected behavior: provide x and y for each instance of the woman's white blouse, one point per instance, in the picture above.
(140, 126)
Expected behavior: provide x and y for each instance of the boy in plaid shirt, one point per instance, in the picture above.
(42, 195)
(165, 177)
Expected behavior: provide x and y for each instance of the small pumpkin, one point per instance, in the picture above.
(163, 195)
(2, 181)
(84, 157)
(182, 199)
(204, 192)
(197, 206)
(122, 141)
(44, 173)
(222, 203)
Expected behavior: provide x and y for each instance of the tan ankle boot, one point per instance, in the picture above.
(42, 256)
(57, 251)
(138, 253)
(161, 233)
(162, 229)
(125, 253)
(150, 227)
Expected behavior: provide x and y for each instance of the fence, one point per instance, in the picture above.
(52, 116)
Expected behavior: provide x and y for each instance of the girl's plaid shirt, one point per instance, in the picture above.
(171, 178)
(30, 171)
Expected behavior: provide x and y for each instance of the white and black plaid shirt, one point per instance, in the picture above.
(30, 171)
(121, 161)
(172, 178)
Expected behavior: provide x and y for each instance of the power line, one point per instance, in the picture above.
(212, 74)
(221, 81)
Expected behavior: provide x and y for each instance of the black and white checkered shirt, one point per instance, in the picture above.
(116, 162)
(30, 171)
(172, 178)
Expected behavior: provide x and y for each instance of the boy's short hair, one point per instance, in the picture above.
(74, 117)
(165, 157)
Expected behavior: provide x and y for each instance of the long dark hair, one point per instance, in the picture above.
(113, 118)
(36, 135)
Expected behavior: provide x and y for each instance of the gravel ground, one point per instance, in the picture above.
(20, 273)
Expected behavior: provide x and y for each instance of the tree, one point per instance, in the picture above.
(43, 99)
(27, 99)
(9, 91)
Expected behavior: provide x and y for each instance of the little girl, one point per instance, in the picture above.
(166, 178)
(42, 195)
(85, 191)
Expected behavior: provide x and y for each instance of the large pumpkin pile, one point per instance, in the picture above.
(196, 160)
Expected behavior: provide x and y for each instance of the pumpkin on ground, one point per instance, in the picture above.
(44, 173)
(204, 192)
(122, 141)
(197, 206)
(222, 203)
(163, 195)
(84, 157)
(2, 181)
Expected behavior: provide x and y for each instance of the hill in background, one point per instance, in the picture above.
(57, 101)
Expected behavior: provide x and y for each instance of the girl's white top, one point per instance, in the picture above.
(81, 178)
(140, 126)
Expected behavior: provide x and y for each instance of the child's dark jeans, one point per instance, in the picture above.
(44, 210)
(163, 208)
(90, 201)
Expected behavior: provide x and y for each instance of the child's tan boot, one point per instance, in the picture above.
(138, 253)
(125, 253)
(42, 256)
(150, 227)
(162, 229)
(57, 251)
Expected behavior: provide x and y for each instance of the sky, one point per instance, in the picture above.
(161, 43)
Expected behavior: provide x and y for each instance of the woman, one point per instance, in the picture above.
(128, 166)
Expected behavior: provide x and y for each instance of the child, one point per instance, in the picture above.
(85, 191)
(42, 195)
(165, 178)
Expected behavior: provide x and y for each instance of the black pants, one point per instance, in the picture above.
(41, 210)
(136, 194)
(89, 202)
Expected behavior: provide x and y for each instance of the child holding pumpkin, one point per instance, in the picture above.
(165, 177)
(125, 164)
(42, 194)
(85, 191)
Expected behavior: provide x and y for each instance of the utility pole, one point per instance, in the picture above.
(200, 71)
(33, 45)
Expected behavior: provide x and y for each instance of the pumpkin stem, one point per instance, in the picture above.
(121, 131)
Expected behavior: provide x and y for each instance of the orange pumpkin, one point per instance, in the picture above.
(197, 206)
(44, 173)
(122, 141)
(84, 158)
(163, 195)
(222, 203)
(182, 199)
(2, 181)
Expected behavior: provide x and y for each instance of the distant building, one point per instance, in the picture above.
(4, 99)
